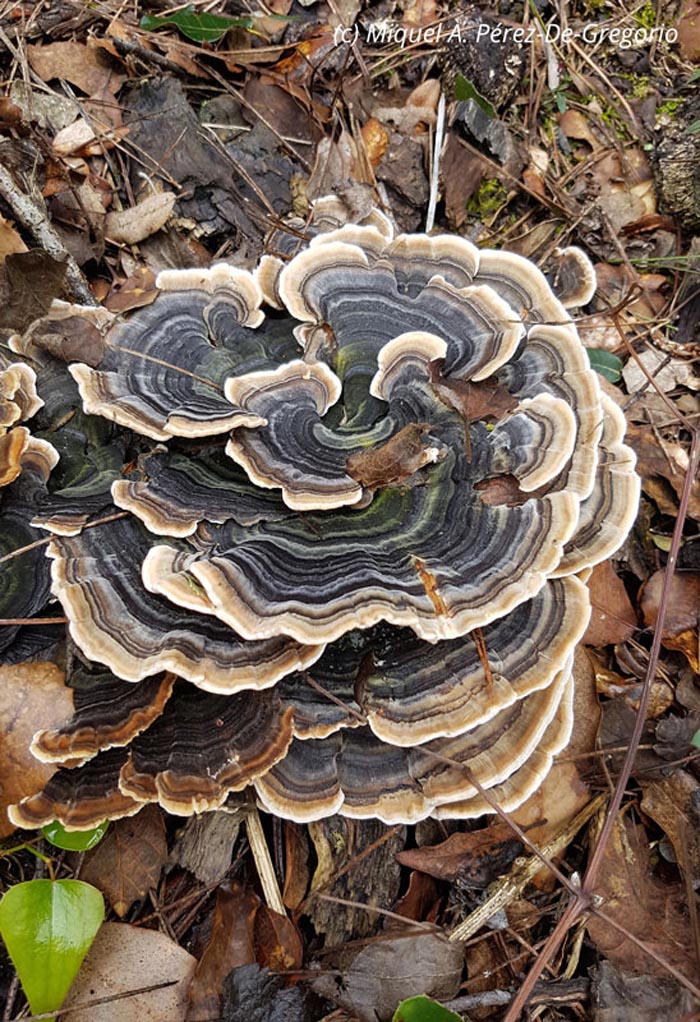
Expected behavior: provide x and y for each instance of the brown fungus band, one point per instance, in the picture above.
(383, 460)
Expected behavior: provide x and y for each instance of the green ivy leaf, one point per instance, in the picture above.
(605, 363)
(424, 1009)
(464, 89)
(199, 27)
(74, 840)
(48, 927)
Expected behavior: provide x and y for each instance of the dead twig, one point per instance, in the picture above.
(35, 221)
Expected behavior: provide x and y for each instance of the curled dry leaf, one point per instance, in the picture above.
(668, 373)
(612, 617)
(137, 290)
(683, 616)
(86, 67)
(474, 859)
(129, 226)
(385, 973)
(662, 459)
(127, 863)
(10, 240)
(674, 803)
(125, 958)
(230, 946)
(626, 187)
(31, 696)
(650, 909)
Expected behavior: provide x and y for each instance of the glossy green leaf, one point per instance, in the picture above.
(74, 840)
(48, 927)
(605, 363)
(464, 89)
(424, 1009)
(199, 27)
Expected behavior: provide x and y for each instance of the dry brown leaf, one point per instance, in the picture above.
(625, 187)
(86, 67)
(384, 973)
(376, 140)
(682, 621)
(664, 459)
(650, 909)
(674, 803)
(462, 172)
(137, 290)
(668, 373)
(125, 958)
(474, 859)
(276, 940)
(612, 618)
(128, 862)
(129, 226)
(86, 139)
(576, 125)
(297, 870)
(10, 241)
(72, 339)
(230, 945)
(32, 696)
(29, 282)
(420, 901)
(689, 31)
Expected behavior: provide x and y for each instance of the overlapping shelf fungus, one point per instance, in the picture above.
(348, 571)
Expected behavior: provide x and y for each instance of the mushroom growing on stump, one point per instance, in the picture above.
(356, 587)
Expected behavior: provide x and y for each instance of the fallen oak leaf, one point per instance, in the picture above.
(229, 947)
(125, 958)
(32, 695)
(129, 860)
(31, 282)
(682, 621)
(649, 909)
(130, 226)
(612, 618)
(87, 67)
(473, 859)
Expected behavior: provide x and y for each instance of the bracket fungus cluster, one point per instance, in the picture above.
(349, 570)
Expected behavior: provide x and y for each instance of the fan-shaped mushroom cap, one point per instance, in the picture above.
(353, 772)
(175, 493)
(164, 369)
(108, 714)
(404, 559)
(252, 733)
(18, 397)
(525, 781)
(24, 575)
(80, 798)
(115, 621)
(607, 515)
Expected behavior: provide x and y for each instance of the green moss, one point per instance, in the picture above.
(646, 16)
(639, 85)
(488, 198)
(669, 107)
